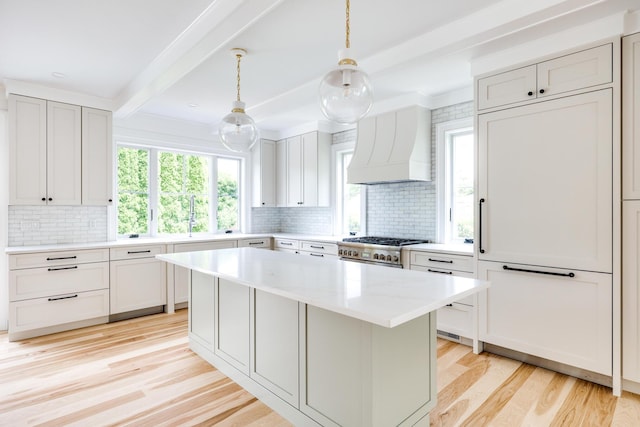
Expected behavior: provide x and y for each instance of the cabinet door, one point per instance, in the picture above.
(275, 363)
(545, 175)
(263, 163)
(137, 283)
(64, 150)
(564, 319)
(310, 169)
(281, 173)
(631, 117)
(631, 290)
(97, 157)
(294, 171)
(201, 313)
(578, 70)
(232, 323)
(27, 150)
(507, 88)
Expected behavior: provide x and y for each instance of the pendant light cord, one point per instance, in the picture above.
(238, 76)
(348, 29)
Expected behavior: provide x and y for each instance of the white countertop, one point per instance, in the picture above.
(454, 249)
(381, 295)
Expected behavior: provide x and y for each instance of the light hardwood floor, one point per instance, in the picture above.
(141, 372)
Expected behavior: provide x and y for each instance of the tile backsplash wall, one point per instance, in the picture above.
(292, 220)
(52, 225)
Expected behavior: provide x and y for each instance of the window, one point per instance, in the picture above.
(350, 198)
(456, 180)
(155, 188)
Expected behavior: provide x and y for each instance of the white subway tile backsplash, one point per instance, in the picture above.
(51, 225)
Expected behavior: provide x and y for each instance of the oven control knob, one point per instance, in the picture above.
(339, 251)
(396, 259)
(349, 253)
(375, 256)
(355, 253)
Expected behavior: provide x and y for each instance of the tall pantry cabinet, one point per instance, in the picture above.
(631, 212)
(546, 202)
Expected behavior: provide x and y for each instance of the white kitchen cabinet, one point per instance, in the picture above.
(181, 275)
(263, 171)
(137, 279)
(457, 321)
(308, 169)
(286, 245)
(275, 352)
(579, 70)
(318, 249)
(262, 242)
(631, 291)
(232, 324)
(281, 173)
(45, 152)
(545, 183)
(631, 117)
(97, 157)
(57, 291)
(547, 313)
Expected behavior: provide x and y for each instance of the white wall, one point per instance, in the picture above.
(4, 208)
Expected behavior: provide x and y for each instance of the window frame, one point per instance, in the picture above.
(338, 151)
(154, 188)
(444, 132)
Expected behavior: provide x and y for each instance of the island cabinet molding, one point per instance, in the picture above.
(320, 362)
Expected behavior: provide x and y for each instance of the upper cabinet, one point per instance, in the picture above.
(60, 154)
(97, 157)
(263, 169)
(631, 117)
(308, 169)
(586, 68)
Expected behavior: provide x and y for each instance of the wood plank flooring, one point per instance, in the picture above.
(140, 372)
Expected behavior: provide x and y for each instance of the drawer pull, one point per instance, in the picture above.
(550, 273)
(148, 251)
(256, 243)
(59, 298)
(438, 271)
(63, 257)
(286, 244)
(318, 255)
(316, 247)
(449, 305)
(62, 268)
(448, 261)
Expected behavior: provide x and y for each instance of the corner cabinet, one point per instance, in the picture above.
(547, 213)
(60, 154)
(263, 171)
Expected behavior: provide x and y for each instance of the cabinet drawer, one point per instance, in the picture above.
(456, 319)
(44, 259)
(467, 300)
(44, 312)
(319, 247)
(132, 252)
(48, 281)
(255, 243)
(442, 261)
(286, 244)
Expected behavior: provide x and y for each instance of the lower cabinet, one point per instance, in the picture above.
(553, 316)
(232, 307)
(201, 316)
(57, 291)
(631, 293)
(319, 249)
(138, 280)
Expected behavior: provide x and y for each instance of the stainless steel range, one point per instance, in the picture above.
(375, 250)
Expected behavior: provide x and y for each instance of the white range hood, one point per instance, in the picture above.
(392, 147)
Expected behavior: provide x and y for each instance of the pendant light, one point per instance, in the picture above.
(237, 130)
(345, 93)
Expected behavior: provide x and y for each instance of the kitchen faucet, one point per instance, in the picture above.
(192, 213)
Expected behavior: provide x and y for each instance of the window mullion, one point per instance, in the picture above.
(154, 203)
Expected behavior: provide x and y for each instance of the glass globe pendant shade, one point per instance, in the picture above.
(238, 131)
(345, 93)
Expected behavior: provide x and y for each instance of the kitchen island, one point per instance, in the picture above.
(321, 341)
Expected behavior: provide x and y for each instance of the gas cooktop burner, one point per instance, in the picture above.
(387, 241)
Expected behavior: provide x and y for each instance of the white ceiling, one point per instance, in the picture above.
(162, 57)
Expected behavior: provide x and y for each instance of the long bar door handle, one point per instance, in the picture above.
(549, 273)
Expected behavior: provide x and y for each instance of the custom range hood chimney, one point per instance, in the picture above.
(392, 147)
